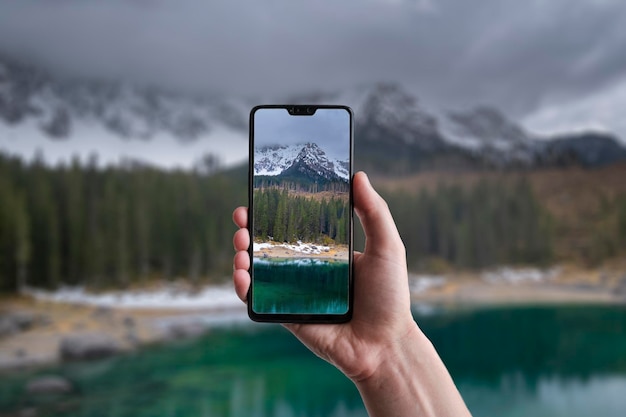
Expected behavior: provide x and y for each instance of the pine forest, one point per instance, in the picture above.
(112, 227)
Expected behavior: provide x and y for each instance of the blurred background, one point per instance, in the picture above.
(494, 129)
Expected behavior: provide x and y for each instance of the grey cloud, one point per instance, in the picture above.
(514, 54)
(328, 128)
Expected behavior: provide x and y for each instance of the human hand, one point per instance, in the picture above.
(382, 316)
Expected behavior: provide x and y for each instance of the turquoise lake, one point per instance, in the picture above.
(522, 361)
(300, 286)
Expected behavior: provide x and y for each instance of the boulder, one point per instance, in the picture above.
(102, 313)
(19, 321)
(85, 346)
(129, 322)
(49, 385)
(25, 319)
(8, 327)
(185, 330)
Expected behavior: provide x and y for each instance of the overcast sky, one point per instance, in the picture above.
(328, 128)
(551, 64)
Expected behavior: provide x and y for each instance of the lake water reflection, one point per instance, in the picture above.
(530, 361)
(300, 286)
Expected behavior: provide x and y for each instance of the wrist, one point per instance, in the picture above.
(393, 351)
(410, 380)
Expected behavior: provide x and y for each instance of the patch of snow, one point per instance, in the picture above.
(212, 297)
(256, 247)
(478, 128)
(306, 248)
(421, 283)
(423, 309)
(516, 276)
(273, 160)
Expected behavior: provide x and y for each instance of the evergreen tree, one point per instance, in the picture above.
(22, 243)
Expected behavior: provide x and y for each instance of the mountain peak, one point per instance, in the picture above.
(389, 105)
(301, 159)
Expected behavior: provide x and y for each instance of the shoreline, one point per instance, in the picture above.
(522, 286)
(133, 319)
(299, 250)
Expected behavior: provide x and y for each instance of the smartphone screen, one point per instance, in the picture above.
(301, 213)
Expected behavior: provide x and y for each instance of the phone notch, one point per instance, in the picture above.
(307, 110)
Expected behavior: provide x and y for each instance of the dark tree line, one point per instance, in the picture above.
(80, 224)
(285, 217)
(113, 227)
(492, 223)
(608, 232)
(300, 184)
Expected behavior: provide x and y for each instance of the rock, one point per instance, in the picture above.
(46, 321)
(49, 385)
(25, 319)
(131, 337)
(129, 321)
(79, 325)
(184, 330)
(620, 289)
(7, 326)
(19, 321)
(102, 313)
(81, 346)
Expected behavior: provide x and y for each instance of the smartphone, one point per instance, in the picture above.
(301, 216)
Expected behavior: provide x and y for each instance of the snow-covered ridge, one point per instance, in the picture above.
(63, 117)
(275, 160)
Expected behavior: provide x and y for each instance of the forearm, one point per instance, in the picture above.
(411, 381)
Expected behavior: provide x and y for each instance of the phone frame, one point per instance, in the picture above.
(300, 318)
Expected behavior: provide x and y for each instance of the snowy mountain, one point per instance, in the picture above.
(308, 160)
(63, 117)
(395, 133)
(66, 117)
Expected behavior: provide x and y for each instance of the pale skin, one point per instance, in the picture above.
(382, 350)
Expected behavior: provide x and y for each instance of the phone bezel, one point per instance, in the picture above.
(299, 318)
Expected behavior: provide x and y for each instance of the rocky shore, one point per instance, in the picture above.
(76, 325)
(48, 328)
(299, 249)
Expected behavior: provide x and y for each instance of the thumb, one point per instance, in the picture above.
(381, 233)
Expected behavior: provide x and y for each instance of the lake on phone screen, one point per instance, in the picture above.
(509, 361)
(300, 286)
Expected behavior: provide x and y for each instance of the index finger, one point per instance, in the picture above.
(240, 217)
